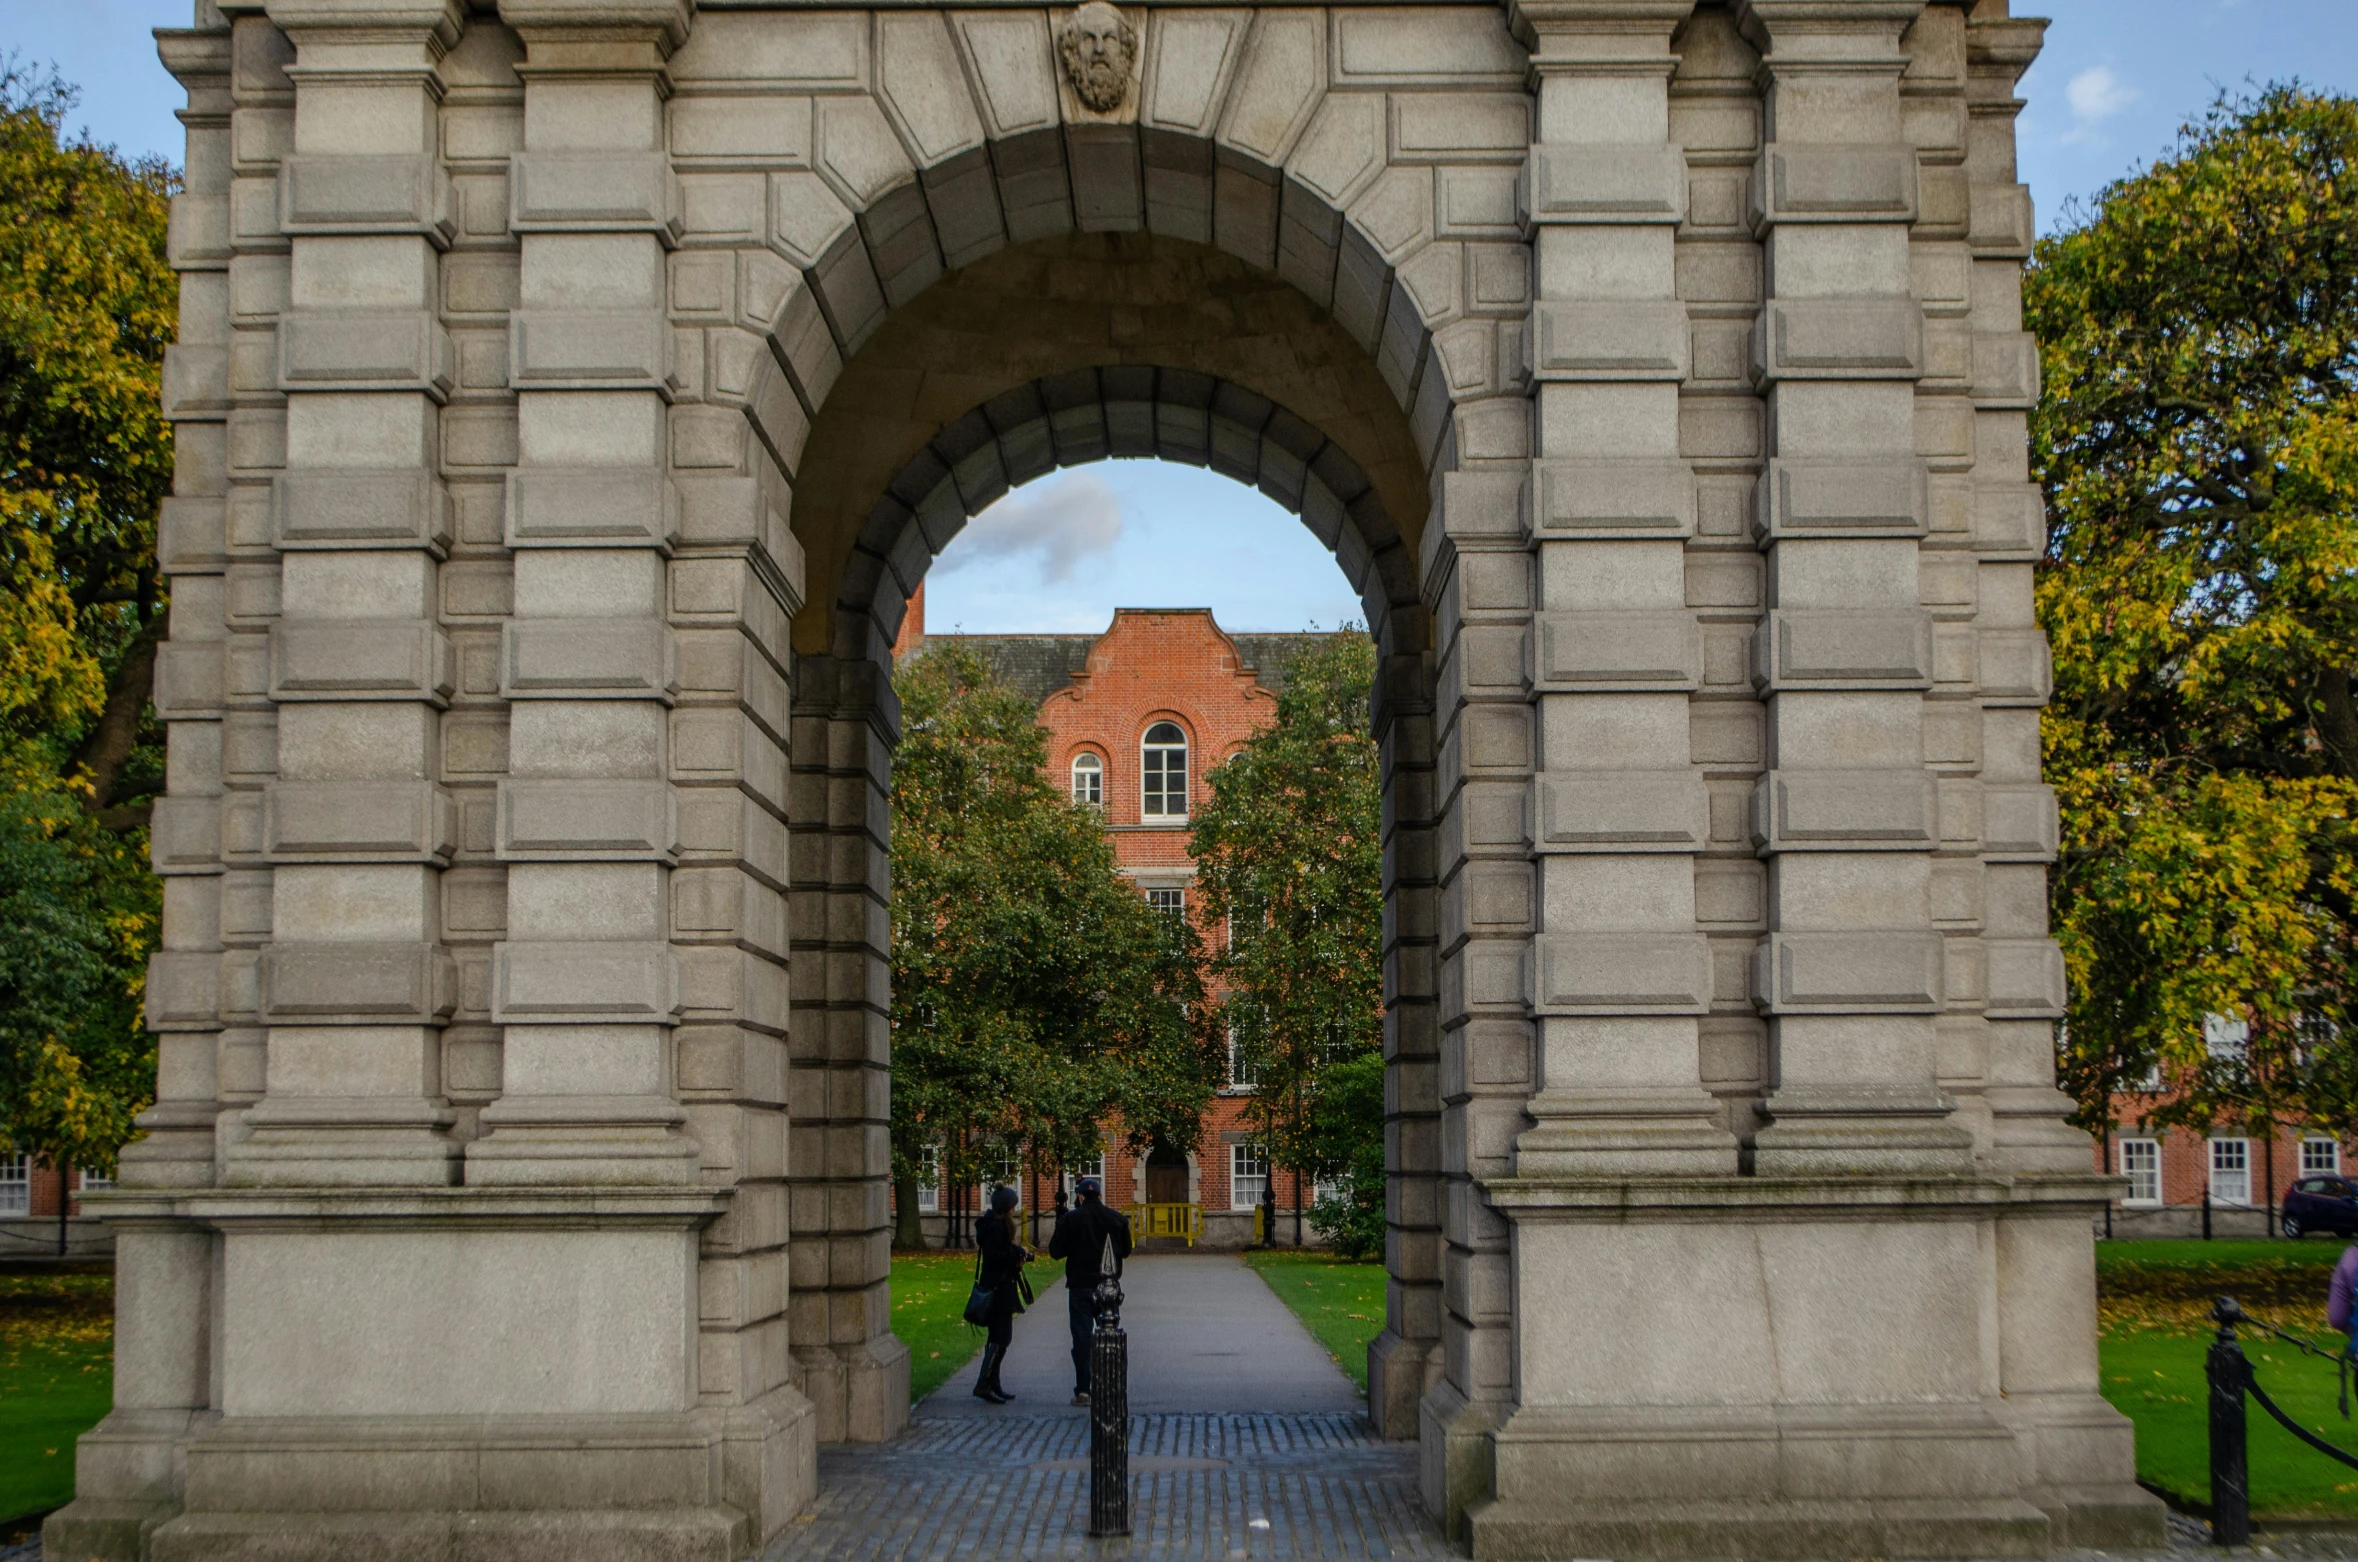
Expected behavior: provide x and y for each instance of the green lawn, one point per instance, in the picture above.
(57, 1375)
(2155, 1300)
(929, 1292)
(1341, 1302)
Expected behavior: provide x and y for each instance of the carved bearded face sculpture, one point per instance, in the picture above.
(1098, 48)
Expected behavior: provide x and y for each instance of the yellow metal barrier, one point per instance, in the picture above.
(1185, 1221)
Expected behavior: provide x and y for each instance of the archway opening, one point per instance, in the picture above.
(1055, 354)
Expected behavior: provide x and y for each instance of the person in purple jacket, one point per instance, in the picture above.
(2338, 1293)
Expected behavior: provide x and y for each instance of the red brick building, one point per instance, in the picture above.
(29, 1196)
(1136, 718)
(2170, 1171)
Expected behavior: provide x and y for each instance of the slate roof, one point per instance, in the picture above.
(1039, 665)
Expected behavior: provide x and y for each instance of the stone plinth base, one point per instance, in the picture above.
(1792, 1368)
(441, 1374)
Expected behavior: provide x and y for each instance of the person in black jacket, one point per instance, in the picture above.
(1003, 1259)
(1079, 1240)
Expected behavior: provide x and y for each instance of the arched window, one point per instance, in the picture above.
(1164, 772)
(1088, 779)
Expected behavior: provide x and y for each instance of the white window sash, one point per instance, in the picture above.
(2141, 1164)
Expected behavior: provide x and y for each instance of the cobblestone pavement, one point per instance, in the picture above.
(1202, 1486)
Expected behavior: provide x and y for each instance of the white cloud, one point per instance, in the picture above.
(2096, 94)
(1062, 522)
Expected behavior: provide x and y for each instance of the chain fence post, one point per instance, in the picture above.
(2228, 1371)
(1109, 1407)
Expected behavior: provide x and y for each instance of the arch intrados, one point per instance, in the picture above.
(1072, 421)
(1016, 350)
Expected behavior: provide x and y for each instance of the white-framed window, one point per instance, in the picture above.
(1170, 902)
(2231, 1171)
(1000, 1168)
(16, 1183)
(1094, 1166)
(929, 1179)
(2320, 1156)
(2225, 1036)
(1163, 772)
(1242, 1074)
(2141, 1164)
(1088, 779)
(2151, 1084)
(1248, 1176)
(1325, 1188)
(94, 1182)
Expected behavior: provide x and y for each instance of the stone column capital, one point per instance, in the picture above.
(1571, 35)
(199, 59)
(623, 27)
(435, 22)
(1829, 34)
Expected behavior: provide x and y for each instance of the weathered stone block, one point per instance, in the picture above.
(2025, 978)
(1842, 499)
(358, 821)
(1801, 183)
(2016, 667)
(365, 349)
(1622, 810)
(1847, 973)
(1614, 184)
(1839, 339)
(357, 984)
(605, 982)
(365, 193)
(1843, 810)
(1621, 973)
(1830, 649)
(2019, 823)
(1617, 650)
(591, 350)
(593, 192)
(343, 508)
(1625, 339)
(183, 990)
(590, 507)
(360, 659)
(570, 658)
(599, 821)
(1583, 498)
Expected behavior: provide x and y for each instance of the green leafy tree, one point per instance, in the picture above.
(87, 303)
(1289, 857)
(2197, 438)
(1037, 998)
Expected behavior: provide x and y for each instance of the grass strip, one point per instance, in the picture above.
(1340, 1301)
(57, 1378)
(929, 1292)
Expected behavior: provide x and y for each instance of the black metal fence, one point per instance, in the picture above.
(2230, 1373)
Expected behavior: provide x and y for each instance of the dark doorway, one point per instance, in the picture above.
(1166, 1176)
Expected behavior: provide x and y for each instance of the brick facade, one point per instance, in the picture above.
(1099, 695)
(2184, 1163)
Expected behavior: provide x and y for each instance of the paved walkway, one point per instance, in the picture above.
(1016, 1487)
(1206, 1335)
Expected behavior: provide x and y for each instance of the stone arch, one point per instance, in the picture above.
(1323, 290)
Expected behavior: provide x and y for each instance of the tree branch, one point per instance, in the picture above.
(100, 760)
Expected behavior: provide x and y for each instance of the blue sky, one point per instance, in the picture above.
(2114, 83)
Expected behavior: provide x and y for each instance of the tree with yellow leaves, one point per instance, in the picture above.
(2197, 438)
(87, 303)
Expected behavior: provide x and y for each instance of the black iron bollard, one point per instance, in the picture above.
(1109, 1409)
(2229, 1370)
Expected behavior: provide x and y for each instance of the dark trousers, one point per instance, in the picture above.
(1084, 1322)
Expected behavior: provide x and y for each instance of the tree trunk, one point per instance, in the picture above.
(107, 749)
(2337, 720)
(908, 1226)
